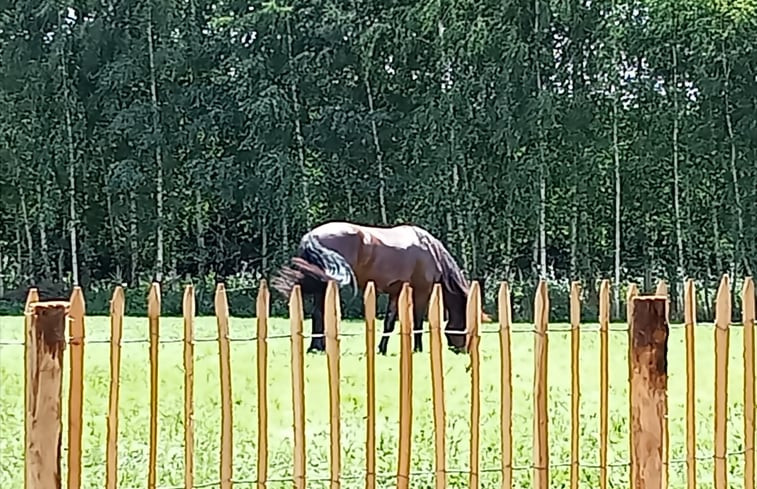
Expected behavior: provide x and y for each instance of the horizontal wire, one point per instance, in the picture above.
(348, 334)
(488, 470)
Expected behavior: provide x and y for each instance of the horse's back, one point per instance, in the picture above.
(387, 256)
(402, 237)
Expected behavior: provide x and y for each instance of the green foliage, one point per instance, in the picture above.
(266, 117)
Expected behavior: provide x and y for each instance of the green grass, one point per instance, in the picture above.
(134, 407)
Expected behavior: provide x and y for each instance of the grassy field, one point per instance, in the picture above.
(134, 407)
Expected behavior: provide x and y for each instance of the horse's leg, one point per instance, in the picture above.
(420, 303)
(317, 341)
(391, 317)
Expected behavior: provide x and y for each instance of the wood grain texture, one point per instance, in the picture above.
(604, 378)
(369, 301)
(262, 312)
(690, 319)
(649, 331)
(575, 384)
(117, 306)
(76, 387)
(153, 318)
(224, 371)
(332, 320)
(473, 322)
(296, 319)
(188, 312)
(506, 386)
(29, 362)
(48, 330)
(541, 418)
(748, 313)
(633, 291)
(722, 332)
(435, 315)
(405, 387)
(662, 291)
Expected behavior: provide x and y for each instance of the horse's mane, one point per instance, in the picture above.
(452, 277)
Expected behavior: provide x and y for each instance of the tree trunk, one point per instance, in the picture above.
(542, 162)
(508, 249)
(379, 154)
(28, 233)
(115, 248)
(159, 265)
(264, 243)
(716, 237)
(133, 239)
(2, 274)
(19, 253)
(200, 234)
(298, 132)
(72, 216)
(42, 226)
(574, 237)
(681, 262)
(616, 158)
(741, 245)
(285, 231)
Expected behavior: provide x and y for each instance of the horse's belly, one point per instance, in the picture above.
(391, 270)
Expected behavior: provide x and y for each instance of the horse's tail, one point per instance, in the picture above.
(334, 265)
(315, 262)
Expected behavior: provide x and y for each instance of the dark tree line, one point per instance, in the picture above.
(571, 140)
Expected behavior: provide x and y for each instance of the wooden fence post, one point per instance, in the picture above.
(506, 385)
(575, 385)
(48, 341)
(604, 379)
(747, 311)
(369, 305)
(76, 387)
(29, 363)
(723, 314)
(473, 321)
(226, 467)
(541, 418)
(405, 387)
(332, 319)
(188, 311)
(262, 311)
(649, 379)
(153, 318)
(117, 305)
(435, 314)
(298, 385)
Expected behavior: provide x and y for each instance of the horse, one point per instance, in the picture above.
(353, 254)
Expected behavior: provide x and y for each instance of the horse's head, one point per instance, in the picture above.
(454, 330)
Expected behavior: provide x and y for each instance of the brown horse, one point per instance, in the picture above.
(352, 254)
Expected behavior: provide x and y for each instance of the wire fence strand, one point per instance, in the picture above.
(427, 473)
(351, 334)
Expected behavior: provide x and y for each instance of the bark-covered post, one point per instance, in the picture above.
(649, 383)
(45, 374)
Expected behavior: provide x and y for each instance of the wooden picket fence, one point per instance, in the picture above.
(47, 324)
